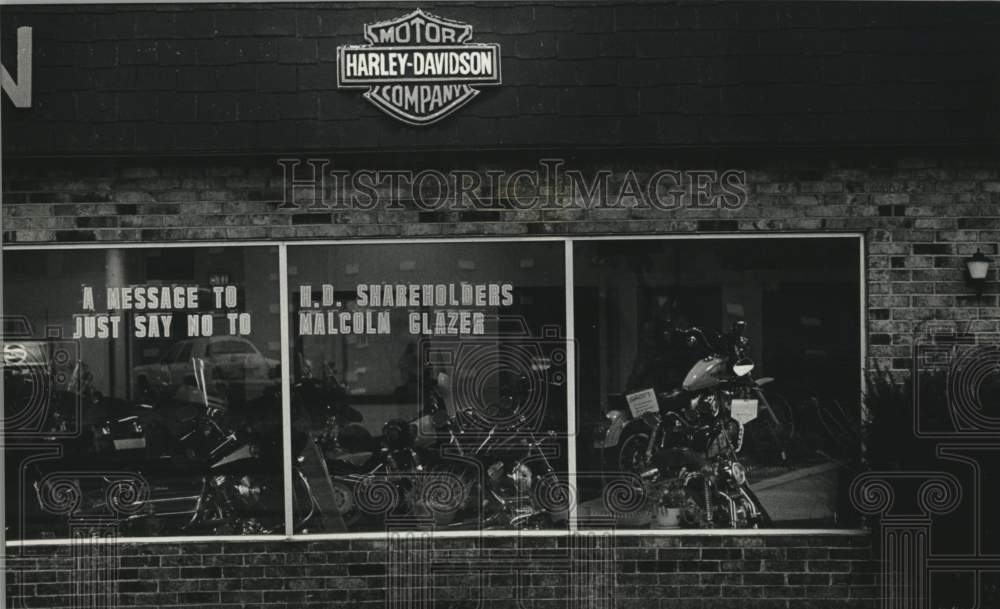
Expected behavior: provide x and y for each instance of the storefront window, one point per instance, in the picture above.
(142, 391)
(719, 380)
(429, 385)
(715, 383)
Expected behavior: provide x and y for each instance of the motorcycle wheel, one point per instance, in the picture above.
(630, 456)
(344, 504)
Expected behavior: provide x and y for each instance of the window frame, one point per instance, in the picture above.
(568, 241)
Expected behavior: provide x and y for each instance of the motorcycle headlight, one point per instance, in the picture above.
(738, 473)
(743, 367)
(521, 476)
(248, 491)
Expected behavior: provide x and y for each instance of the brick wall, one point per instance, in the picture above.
(253, 78)
(144, 80)
(690, 572)
(920, 217)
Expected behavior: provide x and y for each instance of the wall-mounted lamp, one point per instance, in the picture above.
(978, 267)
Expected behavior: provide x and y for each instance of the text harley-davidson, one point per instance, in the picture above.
(689, 437)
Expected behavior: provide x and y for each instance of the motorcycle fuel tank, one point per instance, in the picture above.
(705, 373)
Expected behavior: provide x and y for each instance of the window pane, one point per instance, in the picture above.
(429, 384)
(143, 391)
(707, 362)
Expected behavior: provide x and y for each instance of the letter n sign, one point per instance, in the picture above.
(19, 91)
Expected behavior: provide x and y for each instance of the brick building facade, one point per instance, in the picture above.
(161, 124)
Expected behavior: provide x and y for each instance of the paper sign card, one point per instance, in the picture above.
(642, 402)
(129, 443)
(744, 411)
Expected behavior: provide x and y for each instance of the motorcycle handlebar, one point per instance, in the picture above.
(696, 334)
(733, 339)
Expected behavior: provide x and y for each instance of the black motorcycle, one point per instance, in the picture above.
(507, 470)
(366, 478)
(171, 465)
(690, 437)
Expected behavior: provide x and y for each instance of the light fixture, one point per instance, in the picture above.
(978, 267)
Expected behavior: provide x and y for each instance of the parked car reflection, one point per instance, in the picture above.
(223, 364)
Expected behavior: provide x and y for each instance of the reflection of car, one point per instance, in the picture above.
(228, 359)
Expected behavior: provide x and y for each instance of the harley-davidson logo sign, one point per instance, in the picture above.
(418, 68)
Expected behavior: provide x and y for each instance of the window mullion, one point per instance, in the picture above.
(286, 387)
(571, 432)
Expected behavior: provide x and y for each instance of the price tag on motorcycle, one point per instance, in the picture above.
(641, 402)
(129, 443)
(743, 411)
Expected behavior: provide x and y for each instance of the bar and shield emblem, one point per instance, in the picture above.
(418, 68)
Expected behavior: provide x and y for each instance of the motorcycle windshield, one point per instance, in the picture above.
(703, 374)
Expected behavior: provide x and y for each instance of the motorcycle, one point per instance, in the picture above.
(509, 466)
(378, 482)
(369, 477)
(715, 481)
(691, 436)
(214, 473)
